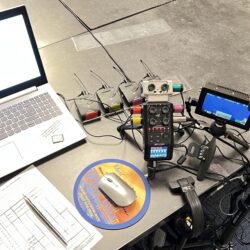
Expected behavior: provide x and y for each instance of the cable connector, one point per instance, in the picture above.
(180, 119)
(181, 160)
(190, 102)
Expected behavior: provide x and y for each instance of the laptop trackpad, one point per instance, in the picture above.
(10, 155)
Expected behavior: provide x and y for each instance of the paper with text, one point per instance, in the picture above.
(21, 227)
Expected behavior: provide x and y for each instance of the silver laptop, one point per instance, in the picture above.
(34, 122)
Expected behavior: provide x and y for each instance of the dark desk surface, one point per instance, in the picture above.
(63, 170)
(61, 61)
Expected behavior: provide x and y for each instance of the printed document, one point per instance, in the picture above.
(35, 215)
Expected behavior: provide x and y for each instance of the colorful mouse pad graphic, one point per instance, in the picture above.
(97, 208)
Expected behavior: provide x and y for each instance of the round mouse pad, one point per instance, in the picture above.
(97, 208)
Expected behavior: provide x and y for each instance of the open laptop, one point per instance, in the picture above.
(34, 122)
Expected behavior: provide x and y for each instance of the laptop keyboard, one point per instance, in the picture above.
(26, 114)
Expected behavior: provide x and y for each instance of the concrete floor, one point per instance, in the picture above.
(201, 40)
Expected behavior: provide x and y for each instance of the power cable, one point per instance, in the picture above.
(119, 19)
(90, 32)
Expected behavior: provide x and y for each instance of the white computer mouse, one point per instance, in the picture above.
(117, 189)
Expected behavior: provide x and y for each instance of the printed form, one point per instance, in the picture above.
(35, 215)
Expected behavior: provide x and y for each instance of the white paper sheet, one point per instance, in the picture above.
(22, 228)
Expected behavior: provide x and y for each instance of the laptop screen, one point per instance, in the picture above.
(20, 63)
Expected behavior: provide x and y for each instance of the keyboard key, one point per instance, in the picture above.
(3, 119)
(8, 122)
(38, 120)
(8, 128)
(23, 127)
(10, 132)
(27, 114)
(31, 124)
(14, 125)
(16, 130)
(46, 117)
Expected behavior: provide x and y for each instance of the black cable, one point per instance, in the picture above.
(239, 161)
(188, 104)
(125, 113)
(183, 102)
(245, 131)
(188, 135)
(164, 169)
(209, 175)
(240, 134)
(188, 170)
(119, 19)
(183, 127)
(194, 171)
(90, 32)
(99, 136)
(64, 100)
(235, 148)
(128, 119)
(131, 15)
(121, 74)
(88, 99)
(139, 131)
(113, 119)
(235, 145)
(137, 144)
(230, 145)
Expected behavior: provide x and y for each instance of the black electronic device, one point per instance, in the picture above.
(131, 93)
(205, 153)
(158, 131)
(86, 104)
(88, 108)
(225, 105)
(110, 100)
(200, 151)
(108, 97)
(129, 90)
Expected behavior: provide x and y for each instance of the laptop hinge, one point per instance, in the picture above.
(19, 94)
